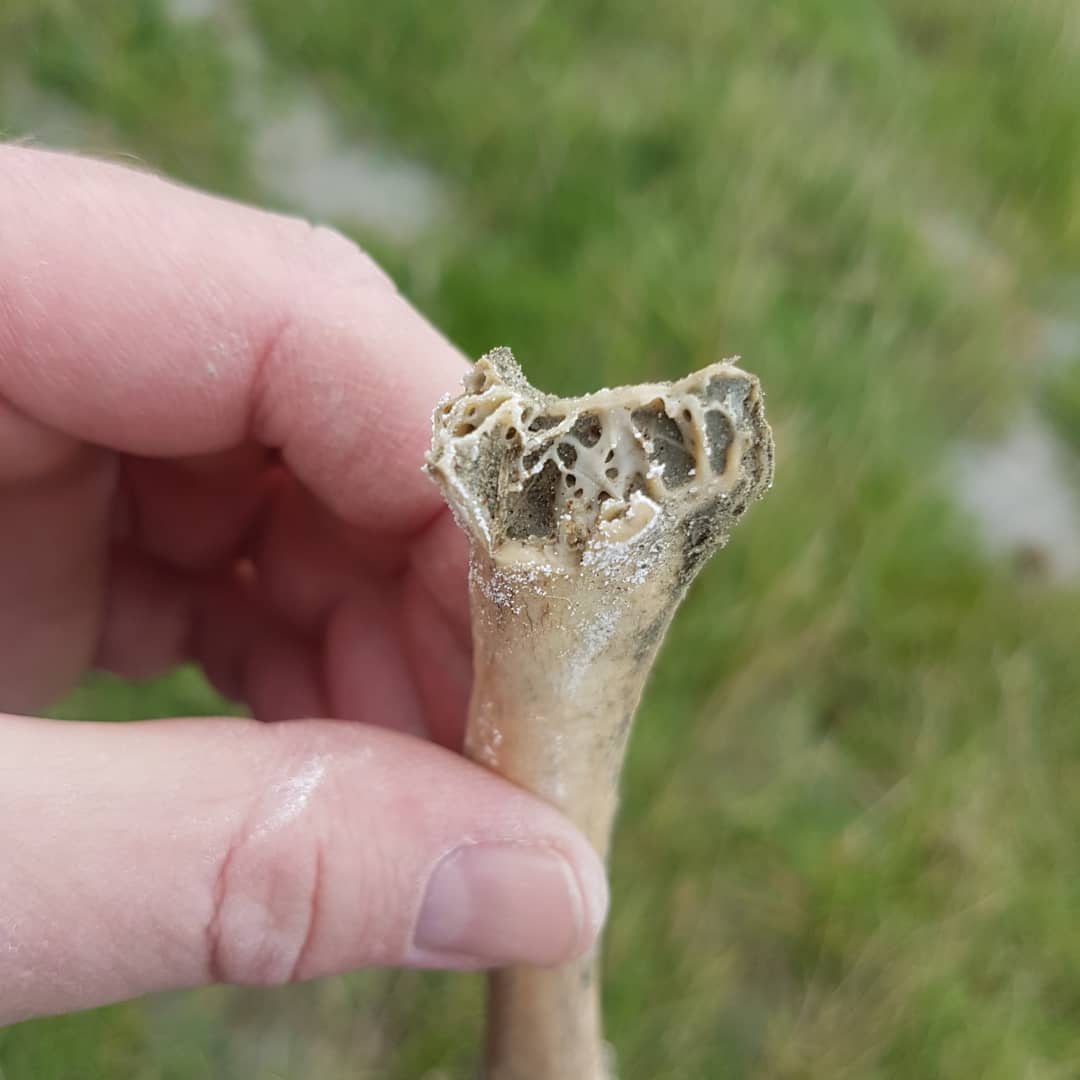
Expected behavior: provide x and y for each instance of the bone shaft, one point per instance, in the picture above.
(545, 1024)
(552, 711)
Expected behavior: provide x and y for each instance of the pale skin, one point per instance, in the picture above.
(212, 421)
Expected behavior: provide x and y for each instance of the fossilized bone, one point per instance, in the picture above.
(588, 518)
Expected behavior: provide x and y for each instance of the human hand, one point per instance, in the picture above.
(212, 421)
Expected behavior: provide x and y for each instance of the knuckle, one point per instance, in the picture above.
(301, 890)
(329, 250)
(266, 902)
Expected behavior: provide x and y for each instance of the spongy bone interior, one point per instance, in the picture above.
(556, 469)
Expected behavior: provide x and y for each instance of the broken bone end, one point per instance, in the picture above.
(535, 478)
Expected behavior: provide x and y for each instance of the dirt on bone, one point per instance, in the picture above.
(532, 511)
(668, 446)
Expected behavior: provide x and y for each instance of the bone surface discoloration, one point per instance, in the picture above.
(588, 519)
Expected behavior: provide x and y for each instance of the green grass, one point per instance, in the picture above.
(847, 846)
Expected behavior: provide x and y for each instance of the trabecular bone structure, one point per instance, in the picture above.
(588, 519)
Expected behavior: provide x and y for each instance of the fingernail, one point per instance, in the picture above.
(500, 904)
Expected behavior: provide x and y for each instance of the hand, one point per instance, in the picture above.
(212, 421)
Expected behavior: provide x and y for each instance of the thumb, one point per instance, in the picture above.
(143, 857)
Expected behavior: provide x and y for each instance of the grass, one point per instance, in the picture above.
(847, 847)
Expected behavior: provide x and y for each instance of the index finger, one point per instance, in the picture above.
(144, 317)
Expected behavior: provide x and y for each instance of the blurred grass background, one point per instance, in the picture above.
(848, 845)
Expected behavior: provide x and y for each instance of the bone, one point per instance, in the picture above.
(588, 519)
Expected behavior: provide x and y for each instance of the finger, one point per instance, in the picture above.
(196, 512)
(436, 556)
(220, 636)
(440, 669)
(150, 616)
(307, 562)
(48, 607)
(351, 670)
(157, 618)
(185, 852)
(395, 626)
(282, 676)
(366, 672)
(181, 324)
(435, 624)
